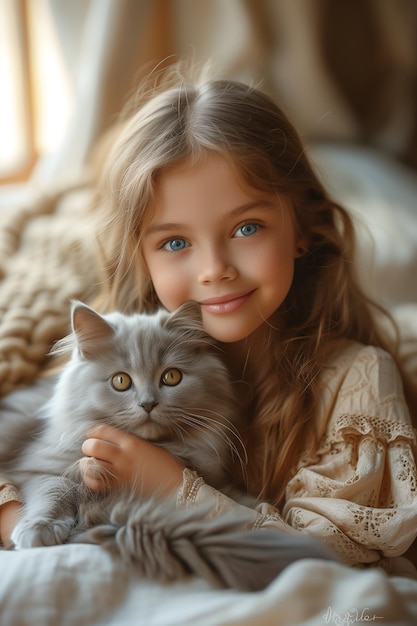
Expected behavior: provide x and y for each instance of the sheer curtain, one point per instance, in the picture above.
(102, 41)
(106, 42)
(289, 46)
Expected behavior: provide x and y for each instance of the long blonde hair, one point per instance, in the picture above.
(172, 120)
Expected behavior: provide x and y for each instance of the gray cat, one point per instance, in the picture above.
(161, 378)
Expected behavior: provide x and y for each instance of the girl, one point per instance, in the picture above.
(208, 195)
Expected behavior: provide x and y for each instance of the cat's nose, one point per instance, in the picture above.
(148, 406)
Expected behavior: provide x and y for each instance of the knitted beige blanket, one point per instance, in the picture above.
(46, 259)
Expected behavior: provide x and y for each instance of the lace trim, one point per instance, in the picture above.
(387, 430)
(365, 425)
(264, 518)
(9, 493)
(189, 489)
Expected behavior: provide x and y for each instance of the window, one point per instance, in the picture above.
(35, 91)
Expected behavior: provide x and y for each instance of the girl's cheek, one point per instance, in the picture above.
(169, 296)
(172, 288)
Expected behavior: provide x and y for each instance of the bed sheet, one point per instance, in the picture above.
(84, 585)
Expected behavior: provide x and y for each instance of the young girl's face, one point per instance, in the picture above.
(214, 239)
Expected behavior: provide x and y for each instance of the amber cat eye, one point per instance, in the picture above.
(121, 381)
(171, 377)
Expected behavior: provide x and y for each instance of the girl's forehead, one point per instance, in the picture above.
(212, 171)
(212, 179)
(213, 185)
(211, 192)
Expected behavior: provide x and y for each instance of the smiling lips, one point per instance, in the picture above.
(226, 304)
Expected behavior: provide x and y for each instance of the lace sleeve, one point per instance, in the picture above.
(8, 492)
(194, 492)
(359, 493)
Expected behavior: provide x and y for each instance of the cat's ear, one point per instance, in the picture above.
(187, 317)
(90, 329)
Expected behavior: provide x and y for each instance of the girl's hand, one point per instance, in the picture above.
(9, 515)
(116, 459)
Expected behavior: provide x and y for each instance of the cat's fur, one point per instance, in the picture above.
(194, 417)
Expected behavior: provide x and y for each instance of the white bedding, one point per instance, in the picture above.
(80, 585)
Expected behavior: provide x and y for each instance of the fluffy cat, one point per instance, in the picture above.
(159, 377)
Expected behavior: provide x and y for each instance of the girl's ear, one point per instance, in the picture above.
(301, 247)
(90, 329)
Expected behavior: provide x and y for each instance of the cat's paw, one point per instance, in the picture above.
(33, 533)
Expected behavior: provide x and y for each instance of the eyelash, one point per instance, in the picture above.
(240, 228)
(164, 245)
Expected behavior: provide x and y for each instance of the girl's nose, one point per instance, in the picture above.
(215, 266)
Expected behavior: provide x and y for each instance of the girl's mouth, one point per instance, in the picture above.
(226, 304)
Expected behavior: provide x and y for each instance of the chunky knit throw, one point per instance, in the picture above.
(46, 259)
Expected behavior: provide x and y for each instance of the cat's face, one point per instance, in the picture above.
(156, 376)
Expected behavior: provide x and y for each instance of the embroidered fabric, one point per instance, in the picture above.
(8, 492)
(188, 492)
(194, 491)
(384, 430)
(358, 492)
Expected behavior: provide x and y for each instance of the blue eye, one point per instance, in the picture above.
(247, 230)
(174, 245)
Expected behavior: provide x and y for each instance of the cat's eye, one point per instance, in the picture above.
(171, 377)
(121, 381)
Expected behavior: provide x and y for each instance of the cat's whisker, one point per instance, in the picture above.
(226, 424)
(213, 426)
(190, 421)
(200, 423)
(210, 426)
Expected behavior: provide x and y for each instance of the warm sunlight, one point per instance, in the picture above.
(35, 93)
(13, 117)
(53, 98)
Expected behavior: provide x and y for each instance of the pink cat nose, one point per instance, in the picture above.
(148, 406)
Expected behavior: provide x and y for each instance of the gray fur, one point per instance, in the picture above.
(195, 420)
(168, 544)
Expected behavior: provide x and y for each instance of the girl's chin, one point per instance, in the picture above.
(231, 332)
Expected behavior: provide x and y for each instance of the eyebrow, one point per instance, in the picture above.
(240, 210)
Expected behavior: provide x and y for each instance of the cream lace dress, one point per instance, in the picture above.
(359, 492)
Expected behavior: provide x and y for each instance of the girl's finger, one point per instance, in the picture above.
(100, 449)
